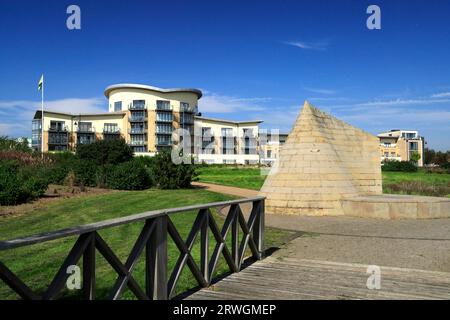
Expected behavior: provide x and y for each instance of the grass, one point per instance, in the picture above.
(242, 177)
(37, 264)
(419, 183)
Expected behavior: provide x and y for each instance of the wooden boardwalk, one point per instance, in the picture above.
(300, 279)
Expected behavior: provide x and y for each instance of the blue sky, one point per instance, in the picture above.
(252, 59)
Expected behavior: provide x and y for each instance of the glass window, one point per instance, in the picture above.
(118, 106)
(138, 104)
(163, 105)
(164, 128)
(164, 116)
(184, 107)
(111, 128)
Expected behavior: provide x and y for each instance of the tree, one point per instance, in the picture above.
(415, 156)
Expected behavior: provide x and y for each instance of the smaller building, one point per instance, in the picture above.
(270, 143)
(400, 145)
(221, 141)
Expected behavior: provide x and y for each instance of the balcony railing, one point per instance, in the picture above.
(164, 143)
(133, 118)
(163, 107)
(83, 129)
(58, 128)
(111, 131)
(138, 143)
(137, 130)
(137, 107)
(58, 141)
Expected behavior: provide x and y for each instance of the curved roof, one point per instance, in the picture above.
(150, 88)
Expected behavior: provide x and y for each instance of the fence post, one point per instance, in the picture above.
(156, 260)
(89, 269)
(204, 243)
(258, 229)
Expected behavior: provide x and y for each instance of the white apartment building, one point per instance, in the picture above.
(147, 118)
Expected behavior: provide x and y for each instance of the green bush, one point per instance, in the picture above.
(104, 152)
(168, 175)
(19, 184)
(63, 163)
(404, 166)
(131, 175)
(86, 172)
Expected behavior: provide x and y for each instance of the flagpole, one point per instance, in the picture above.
(42, 118)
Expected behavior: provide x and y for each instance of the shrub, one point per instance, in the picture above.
(131, 175)
(19, 184)
(168, 175)
(104, 152)
(63, 164)
(7, 143)
(86, 172)
(404, 166)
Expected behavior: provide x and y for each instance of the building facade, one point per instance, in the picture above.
(270, 144)
(228, 142)
(400, 145)
(151, 119)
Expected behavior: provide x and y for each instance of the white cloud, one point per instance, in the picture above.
(404, 102)
(441, 95)
(320, 90)
(16, 115)
(321, 46)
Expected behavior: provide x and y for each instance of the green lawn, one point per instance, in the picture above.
(420, 183)
(37, 264)
(243, 177)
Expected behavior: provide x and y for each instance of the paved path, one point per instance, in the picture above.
(234, 191)
(416, 244)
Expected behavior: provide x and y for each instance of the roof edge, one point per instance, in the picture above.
(150, 88)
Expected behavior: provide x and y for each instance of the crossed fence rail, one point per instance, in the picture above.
(152, 242)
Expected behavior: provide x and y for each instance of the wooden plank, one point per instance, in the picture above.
(310, 279)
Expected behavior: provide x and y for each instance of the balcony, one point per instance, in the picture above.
(138, 143)
(164, 143)
(58, 141)
(164, 119)
(165, 132)
(85, 129)
(111, 131)
(134, 118)
(163, 107)
(137, 107)
(58, 128)
(137, 131)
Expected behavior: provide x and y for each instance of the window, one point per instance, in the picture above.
(184, 107)
(413, 146)
(56, 125)
(138, 104)
(187, 118)
(163, 128)
(85, 126)
(117, 106)
(164, 140)
(163, 105)
(269, 153)
(111, 128)
(164, 117)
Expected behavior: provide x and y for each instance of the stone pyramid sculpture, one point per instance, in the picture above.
(323, 161)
